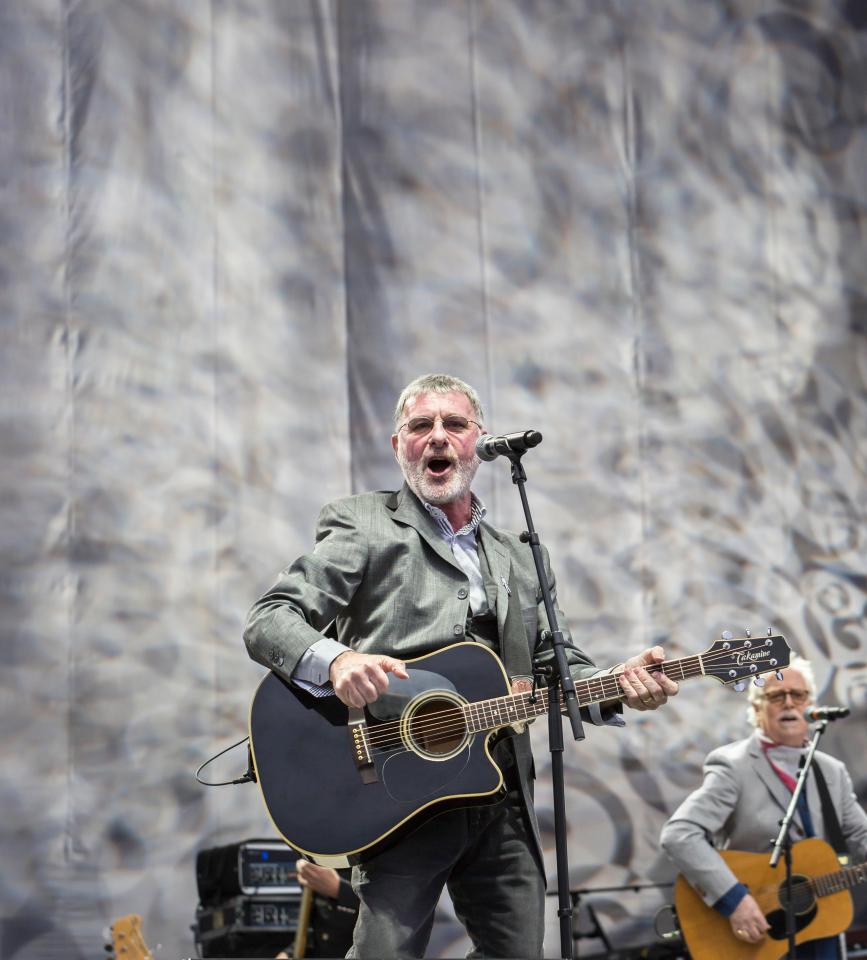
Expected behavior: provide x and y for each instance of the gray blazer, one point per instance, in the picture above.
(739, 806)
(382, 580)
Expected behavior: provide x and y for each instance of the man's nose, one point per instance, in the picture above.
(438, 432)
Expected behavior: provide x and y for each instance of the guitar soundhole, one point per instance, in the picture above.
(802, 894)
(435, 727)
(803, 901)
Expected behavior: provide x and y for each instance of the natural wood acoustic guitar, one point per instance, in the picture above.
(820, 894)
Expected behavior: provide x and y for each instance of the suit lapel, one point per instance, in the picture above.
(765, 772)
(515, 650)
(780, 791)
(407, 509)
(500, 566)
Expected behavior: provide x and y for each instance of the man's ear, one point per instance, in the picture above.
(394, 444)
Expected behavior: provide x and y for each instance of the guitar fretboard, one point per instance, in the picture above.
(518, 707)
(830, 883)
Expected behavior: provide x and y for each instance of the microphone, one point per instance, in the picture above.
(826, 713)
(489, 448)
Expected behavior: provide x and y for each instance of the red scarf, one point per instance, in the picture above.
(787, 778)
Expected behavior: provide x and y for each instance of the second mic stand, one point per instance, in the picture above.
(559, 679)
(783, 844)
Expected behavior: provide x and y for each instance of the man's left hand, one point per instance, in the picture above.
(644, 690)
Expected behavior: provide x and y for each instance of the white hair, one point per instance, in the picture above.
(437, 383)
(796, 662)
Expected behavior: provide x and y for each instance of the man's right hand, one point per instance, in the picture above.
(324, 880)
(748, 922)
(359, 678)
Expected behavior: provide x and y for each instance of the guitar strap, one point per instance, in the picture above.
(829, 814)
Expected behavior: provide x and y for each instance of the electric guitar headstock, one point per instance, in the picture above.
(127, 942)
(735, 660)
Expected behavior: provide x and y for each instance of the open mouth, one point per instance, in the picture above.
(438, 466)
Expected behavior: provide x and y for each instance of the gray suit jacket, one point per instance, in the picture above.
(382, 579)
(739, 806)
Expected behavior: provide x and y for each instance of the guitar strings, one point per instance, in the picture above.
(802, 895)
(805, 890)
(457, 721)
(442, 723)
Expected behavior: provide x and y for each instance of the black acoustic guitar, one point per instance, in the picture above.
(339, 783)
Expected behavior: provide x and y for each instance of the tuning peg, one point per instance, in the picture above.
(726, 635)
(759, 681)
(778, 674)
(740, 686)
(747, 632)
(769, 631)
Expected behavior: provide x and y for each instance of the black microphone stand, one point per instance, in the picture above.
(783, 843)
(559, 678)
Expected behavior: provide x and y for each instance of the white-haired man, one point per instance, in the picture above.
(400, 575)
(746, 789)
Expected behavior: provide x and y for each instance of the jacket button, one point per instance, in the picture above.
(459, 630)
(463, 593)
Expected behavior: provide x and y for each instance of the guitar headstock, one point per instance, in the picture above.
(127, 942)
(734, 660)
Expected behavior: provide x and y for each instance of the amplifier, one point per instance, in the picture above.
(249, 867)
(247, 926)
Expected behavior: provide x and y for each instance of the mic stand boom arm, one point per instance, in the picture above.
(560, 676)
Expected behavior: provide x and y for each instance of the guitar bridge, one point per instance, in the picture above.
(360, 744)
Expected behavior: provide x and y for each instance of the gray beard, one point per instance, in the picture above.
(458, 484)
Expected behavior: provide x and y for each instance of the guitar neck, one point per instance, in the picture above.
(839, 880)
(517, 707)
(299, 947)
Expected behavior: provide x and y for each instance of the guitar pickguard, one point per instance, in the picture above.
(429, 746)
(805, 908)
(408, 778)
(392, 704)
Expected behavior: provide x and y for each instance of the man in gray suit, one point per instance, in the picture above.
(746, 789)
(399, 575)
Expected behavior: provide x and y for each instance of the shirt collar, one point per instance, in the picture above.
(478, 512)
(767, 744)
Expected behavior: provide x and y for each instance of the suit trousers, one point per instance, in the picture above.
(484, 856)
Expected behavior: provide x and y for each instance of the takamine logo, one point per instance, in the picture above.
(752, 655)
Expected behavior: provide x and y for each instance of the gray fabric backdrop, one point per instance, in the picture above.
(231, 231)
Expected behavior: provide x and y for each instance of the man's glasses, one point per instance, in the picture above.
(452, 424)
(776, 697)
